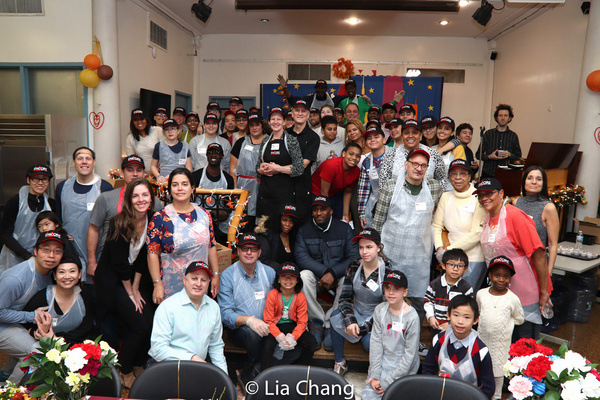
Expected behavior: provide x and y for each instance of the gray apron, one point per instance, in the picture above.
(320, 103)
(394, 346)
(464, 369)
(35, 287)
(76, 211)
(251, 296)
(168, 160)
(407, 235)
(374, 195)
(25, 231)
(365, 301)
(246, 173)
(71, 319)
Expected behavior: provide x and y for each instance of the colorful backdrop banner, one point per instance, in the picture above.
(424, 93)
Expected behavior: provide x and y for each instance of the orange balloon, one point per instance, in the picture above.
(105, 72)
(92, 61)
(89, 78)
(593, 81)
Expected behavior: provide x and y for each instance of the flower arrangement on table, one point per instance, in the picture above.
(68, 372)
(536, 373)
(14, 392)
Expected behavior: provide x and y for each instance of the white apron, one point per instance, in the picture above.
(464, 369)
(71, 319)
(247, 178)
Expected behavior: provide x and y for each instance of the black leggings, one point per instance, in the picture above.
(306, 342)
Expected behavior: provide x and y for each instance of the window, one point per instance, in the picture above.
(16, 7)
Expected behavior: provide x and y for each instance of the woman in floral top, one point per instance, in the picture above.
(180, 233)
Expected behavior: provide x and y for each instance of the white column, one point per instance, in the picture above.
(587, 121)
(107, 140)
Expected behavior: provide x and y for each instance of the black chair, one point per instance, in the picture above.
(299, 382)
(431, 387)
(106, 387)
(190, 380)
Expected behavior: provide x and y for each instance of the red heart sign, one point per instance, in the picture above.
(97, 120)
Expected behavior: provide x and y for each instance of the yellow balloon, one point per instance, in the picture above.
(89, 78)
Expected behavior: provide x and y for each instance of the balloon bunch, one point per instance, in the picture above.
(566, 196)
(95, 71)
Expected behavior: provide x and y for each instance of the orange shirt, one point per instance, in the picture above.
(297, 312)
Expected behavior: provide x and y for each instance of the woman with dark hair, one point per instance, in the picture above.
(69, 312)
(277, 236)
(361, 293)
(535, 203)
(123, 283)
(279, 160)
(354, 134)
(178, 234)
(141, 140)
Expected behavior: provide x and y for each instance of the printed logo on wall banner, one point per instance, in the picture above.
(97, 120)
(597, 135)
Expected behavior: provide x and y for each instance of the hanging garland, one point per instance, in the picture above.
(343, 69)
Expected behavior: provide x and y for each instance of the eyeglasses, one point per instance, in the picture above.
(485, 195)
(455, 266)
(416, 165)
(246, 249)
(35, 179)
(46, 250)
(458, 174)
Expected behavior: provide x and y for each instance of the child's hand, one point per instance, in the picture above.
(376, 385)
(443, 326)
(353, 330)
(433, 322)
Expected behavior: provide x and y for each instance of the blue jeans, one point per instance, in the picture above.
(337, 342)
(245, 337)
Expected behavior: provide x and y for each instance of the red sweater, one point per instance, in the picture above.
(297, 312)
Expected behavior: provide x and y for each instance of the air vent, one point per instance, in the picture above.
(309, 72)
(21, 7)
(158, 35)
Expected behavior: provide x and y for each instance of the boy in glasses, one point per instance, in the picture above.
(443, 288)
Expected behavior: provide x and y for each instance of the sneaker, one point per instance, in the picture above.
(422, 349)
(340, 368)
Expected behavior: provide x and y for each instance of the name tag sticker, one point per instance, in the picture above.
(421, 206)
(470, 208)
(492, 238)
(259, 295)
(275, 146)
(90, 206)
(201, 150)
(397, 326)
(182, 161)
(373, 174)
(54, 321)
(248, 147)
(371, 284)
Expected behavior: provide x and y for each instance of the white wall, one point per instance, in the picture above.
(538, 71)
(170, 71)
(63, 34)
(238, 64)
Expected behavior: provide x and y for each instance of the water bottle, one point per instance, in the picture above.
(547, 311)
(579, 241)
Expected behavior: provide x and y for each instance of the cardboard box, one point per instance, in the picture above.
(224, 256)
(590, 226)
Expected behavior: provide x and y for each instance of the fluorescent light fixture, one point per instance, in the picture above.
(412, 72)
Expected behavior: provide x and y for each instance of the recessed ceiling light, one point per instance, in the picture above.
(443, 22)
(353, 21)
(463, 3)
(264, 20)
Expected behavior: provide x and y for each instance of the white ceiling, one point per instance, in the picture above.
(225, 19)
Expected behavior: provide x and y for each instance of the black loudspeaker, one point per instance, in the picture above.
(494, 55)
(585, 7)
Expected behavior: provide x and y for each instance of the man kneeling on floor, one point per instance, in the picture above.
(187, 325)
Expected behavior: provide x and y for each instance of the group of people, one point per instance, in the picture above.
(331, 191)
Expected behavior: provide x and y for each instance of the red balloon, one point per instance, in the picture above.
(92, 61)
(105, 72)
(593, 81)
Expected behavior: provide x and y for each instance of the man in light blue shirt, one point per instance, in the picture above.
(18, 285)
(187, 325)
(242, 296)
